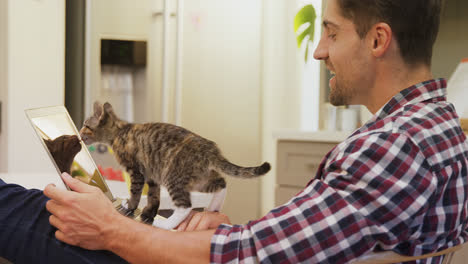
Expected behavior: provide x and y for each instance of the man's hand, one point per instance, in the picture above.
(84, 217)
(87, 218)
(203, 221)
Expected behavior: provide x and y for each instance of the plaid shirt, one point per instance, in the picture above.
(397, 183)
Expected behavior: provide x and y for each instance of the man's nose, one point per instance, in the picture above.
(321, 52)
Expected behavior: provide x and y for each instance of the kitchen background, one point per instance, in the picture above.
(227, 70)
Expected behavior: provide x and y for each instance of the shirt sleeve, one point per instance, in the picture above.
(370, 192)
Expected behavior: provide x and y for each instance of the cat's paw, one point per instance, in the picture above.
(147, 220)
(124, 210)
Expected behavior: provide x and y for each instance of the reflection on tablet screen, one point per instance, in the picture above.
(59, 135)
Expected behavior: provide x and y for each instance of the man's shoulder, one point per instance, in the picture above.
(433, 128)
(428, 124)
(419, 121)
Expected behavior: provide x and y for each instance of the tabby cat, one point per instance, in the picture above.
(162, 154)
(64, 149)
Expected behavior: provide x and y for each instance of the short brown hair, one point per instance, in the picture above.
(415, 23)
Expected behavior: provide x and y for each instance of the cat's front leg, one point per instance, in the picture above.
(217, 201)
(137, 182)
(151, 209)
(174, 220)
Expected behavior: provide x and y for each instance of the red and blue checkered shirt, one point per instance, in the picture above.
(398, 183)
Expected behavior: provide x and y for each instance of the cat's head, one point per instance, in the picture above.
(64, 149)
(101, 126)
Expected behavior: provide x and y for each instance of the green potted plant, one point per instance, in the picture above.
(304, 25)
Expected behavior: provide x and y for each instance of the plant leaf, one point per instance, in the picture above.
(306, 15)
(300, 37)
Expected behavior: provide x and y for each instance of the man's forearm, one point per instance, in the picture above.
(140, 243)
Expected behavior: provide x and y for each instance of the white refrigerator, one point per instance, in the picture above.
(202, 72)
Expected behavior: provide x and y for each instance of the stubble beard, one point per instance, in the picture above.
(340, 95)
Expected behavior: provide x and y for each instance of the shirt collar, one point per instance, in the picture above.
(434, 90)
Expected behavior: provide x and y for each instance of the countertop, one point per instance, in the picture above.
(322, 136)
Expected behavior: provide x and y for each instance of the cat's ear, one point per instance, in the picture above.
(92, 122)
(108, 109)
(48, 142)
(97, 109)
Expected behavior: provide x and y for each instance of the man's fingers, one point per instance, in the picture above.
(57, 194)
(62, 237)
(202, 221)
(204, 224)
(183, 225)
(54, 208)
(75, 184)
(56, 222)
(194, 222)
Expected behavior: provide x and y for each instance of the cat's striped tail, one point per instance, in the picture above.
(242, 172)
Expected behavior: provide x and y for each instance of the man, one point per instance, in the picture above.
(397, 183)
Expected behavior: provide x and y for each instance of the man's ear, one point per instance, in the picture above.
(380, 37)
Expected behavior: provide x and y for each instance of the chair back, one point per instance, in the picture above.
(389, 257)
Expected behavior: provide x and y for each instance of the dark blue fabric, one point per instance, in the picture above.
(27, 237)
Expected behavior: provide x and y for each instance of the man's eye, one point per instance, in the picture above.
(332, 36)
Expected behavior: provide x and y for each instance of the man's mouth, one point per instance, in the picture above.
(332, 79)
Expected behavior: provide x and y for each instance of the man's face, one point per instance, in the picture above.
(346, 56)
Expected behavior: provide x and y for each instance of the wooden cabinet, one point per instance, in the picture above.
(297, 161)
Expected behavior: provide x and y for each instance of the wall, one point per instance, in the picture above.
(281, 81)
(452, 42)
(35, 61)
(3, 84)
(451, 46)
(221, 97)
